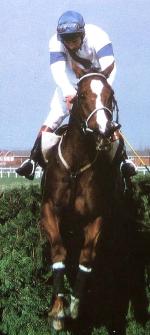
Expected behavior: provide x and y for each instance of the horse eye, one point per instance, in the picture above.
(82, 95)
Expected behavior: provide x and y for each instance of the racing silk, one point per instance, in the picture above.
(96, 47)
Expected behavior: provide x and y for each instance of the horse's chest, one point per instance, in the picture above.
(82, 205)
(80, 196)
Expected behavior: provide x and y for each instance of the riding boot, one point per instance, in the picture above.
(28, 167)
(127, 167)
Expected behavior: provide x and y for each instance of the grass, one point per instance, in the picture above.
(8, 183)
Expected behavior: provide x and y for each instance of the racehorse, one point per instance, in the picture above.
(78, 186)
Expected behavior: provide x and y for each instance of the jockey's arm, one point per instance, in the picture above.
(58, 70)
(58, 67)
(104, 51)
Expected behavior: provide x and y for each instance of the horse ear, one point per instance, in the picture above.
(108, 70)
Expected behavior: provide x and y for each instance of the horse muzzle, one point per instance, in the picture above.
(111, 127)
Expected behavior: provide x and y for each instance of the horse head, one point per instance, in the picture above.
(95, 103)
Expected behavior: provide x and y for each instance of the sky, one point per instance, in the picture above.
(26, 84)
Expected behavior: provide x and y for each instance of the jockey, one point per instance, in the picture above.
(74, 49)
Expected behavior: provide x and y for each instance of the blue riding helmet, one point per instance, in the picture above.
(70, 23)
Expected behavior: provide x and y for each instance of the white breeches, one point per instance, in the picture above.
(58, 110)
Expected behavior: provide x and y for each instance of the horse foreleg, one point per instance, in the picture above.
(87, 255)
(57, 313)
(50, 223)
(91, 235)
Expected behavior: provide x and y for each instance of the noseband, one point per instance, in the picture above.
(85, 123)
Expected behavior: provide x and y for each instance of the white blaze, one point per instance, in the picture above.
(101, 120)
(96, 87)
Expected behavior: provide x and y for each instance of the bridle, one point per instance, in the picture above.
(85, 126)
(91, 74)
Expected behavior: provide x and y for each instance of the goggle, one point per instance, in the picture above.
(69, 27)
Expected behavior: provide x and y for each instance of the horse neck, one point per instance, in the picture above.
(77, 148)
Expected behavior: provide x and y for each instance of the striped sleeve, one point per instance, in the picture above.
(56, 56)
(107, 50)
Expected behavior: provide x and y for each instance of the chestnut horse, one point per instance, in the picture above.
(78, 186)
